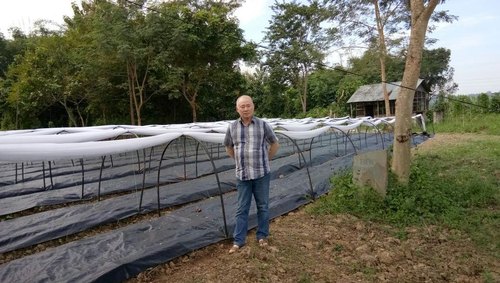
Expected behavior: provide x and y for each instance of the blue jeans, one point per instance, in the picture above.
(259, 188)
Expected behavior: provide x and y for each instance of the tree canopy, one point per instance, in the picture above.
(139, 62)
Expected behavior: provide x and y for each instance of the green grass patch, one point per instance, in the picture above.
(454, 186)
(488, 123)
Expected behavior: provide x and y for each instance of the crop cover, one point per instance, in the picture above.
(312, 150)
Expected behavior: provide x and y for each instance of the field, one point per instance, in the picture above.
(440, 228)
(455, 238)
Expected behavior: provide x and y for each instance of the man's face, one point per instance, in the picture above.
(244, 107)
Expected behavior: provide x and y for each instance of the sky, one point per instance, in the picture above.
(474, 39)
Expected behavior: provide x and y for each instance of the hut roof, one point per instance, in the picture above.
(373, 92)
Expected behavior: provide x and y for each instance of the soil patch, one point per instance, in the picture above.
(338, 248)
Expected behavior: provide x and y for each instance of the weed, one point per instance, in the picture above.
(454, 186)
(305, 278)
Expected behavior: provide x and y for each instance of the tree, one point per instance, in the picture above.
(323, 87)
(346, 88)
(380, 24)
(115, 36)
(495, 103)
(483, 100)
(436, 70)
(101, 73)
(421, 12)
(262, 90)
(368, 66)
(45, 75)
(372, 21)
(205, 44)
(298, 41)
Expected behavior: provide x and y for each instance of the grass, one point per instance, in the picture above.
(469, 123)
(454, 186)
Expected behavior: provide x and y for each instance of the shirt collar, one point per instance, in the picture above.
(251, 121)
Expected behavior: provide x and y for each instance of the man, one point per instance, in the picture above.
(252, 143)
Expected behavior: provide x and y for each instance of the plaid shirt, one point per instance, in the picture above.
(250, 145)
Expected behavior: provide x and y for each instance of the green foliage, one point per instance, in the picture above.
(298, 40)
(118, 63)
(317, 112)
(368, 67)
(348, 198)
(455, 186)
(112, 62)
(441, 104)
(322, 87)
(469, 123)
(495, 103)
(436, 70)
(483, 100)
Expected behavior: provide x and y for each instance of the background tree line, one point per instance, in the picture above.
(144, 62)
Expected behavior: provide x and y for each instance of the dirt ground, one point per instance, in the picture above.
(338, 248)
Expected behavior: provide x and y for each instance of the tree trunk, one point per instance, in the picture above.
(382, 57)
(130, 94)
(141, 93)
(190, 97)
(401, 161)
(80, 116)
(304, 92)
(69, 111)
(192, 103)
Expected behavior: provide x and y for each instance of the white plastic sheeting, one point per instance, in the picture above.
(298, 127)
(52, 151)
(87, 136)
(300, 135)
(71, 143)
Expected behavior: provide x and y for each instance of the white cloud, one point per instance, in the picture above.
(251, 10)
(24, 13)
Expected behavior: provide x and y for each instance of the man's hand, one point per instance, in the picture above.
(230, 151)
(273, 148)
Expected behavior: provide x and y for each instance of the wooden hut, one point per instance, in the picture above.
(368, 100)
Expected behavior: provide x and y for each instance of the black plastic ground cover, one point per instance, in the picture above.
(66, 174)
(118, 183)
(72, 177)
(36, 228)
(122, 253)
(29, 171)
(125, 169)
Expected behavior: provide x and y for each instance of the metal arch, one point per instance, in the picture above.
(305, 162)
(144, 173)
(43, 174)
(111, 158)
(218, 183)
(310, 149)
(137, 152)
(216, 176)
(157, 180)
(347, 136)
(100, 178)
(380, 133)
(83, 177)
(196, 160)
(336, 141)
(299, 152)
(390, 125)
(359, 135)
(184, 156)
(50, 175)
